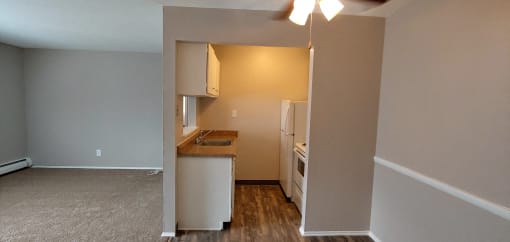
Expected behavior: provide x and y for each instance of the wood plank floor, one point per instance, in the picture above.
(261, 214)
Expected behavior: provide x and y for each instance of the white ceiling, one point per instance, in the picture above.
(117, 25)
(114, 25)
(351, 6)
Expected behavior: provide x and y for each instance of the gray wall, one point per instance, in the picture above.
(348, 55)
(406, 210)
(445, 113)
(80, 101)
(343, 122)
(12, 104)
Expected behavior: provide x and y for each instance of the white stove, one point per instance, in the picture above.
(301, 149)
(299, 166)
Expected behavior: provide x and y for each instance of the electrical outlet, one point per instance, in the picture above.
(98, 153)
(234, 113)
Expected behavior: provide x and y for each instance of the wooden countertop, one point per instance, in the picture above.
(189, 148)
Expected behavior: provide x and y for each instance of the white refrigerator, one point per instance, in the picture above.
(292, 130)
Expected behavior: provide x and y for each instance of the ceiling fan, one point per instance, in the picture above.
(298, 11)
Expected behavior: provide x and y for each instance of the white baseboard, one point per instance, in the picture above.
(373, 237)
(168, 234)
(491, 207)
(339, 233)
(99, 167)
(203, 229)
(333, 233)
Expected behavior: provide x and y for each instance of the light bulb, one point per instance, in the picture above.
(330, 8)
(301, 10)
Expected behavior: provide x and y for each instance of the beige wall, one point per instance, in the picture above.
(254, 79)
(445, 107)
(344, 103)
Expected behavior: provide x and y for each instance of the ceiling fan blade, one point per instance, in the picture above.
(285, 12)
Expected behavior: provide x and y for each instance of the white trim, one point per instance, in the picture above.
(302, 230)
(333, 233)
(339, 233)
(373, 237)
(204, 229)
(188, 137)
(188, 130)
(99, 167)
(168, 234)
(493, 208)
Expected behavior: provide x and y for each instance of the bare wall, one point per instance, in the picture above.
(407, 210)
(445, 107)
(80, 101)
(445, 96)
(345, 82)
(254, 79)
(343, 124)
(13, 144)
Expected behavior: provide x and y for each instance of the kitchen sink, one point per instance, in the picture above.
(216, 142)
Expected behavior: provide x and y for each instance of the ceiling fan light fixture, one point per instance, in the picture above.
(301, 10)
(330, 8)
(298, 18)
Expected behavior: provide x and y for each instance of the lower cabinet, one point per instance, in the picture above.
(204, 192)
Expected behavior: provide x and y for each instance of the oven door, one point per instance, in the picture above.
(299, 169)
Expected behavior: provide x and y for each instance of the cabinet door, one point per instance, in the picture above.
(203, 194)
(213, 72)
(217, 78)
(233, 187)
(191, 66)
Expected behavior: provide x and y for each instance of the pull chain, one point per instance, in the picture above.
(310, 37)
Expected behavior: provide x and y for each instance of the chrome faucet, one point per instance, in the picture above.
(202, 135)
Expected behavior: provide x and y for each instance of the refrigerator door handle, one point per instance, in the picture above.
(285, 129)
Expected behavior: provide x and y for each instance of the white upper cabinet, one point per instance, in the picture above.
(197, 70)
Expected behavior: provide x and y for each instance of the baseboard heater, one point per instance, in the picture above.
(11, 166)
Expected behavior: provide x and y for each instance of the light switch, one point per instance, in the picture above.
(98, 153)
(234, 113)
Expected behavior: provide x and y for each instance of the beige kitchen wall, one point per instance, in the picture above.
(445, 113)
(253, 81)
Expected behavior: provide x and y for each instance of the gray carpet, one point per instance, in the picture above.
(80, 205)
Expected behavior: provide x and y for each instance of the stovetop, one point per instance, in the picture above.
(301, 147)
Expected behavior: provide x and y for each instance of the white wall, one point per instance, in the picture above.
(12, 104)
(80, 101)
(445, 113)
